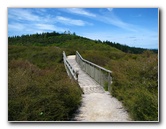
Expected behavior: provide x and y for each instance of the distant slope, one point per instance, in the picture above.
(128, 49)
(68, 40)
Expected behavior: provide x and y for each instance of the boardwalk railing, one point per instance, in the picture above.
(98, 73)
(70, 71)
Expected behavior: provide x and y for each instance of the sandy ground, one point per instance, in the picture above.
(97, 104)
(101, 107)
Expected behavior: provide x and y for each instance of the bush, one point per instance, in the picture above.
(135, 81)
(38, 93)
(143, 105)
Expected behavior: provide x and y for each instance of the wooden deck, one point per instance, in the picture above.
(97, 104)
(87, 84)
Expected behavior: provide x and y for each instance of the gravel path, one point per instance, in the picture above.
(97, 104)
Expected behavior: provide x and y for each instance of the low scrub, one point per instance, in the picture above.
(38, 91)
(135, 81)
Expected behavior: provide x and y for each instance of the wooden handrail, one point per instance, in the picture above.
(77, 53)
(71, 72)
(98, 73)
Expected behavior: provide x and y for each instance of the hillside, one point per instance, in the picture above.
(36, 70)
(64, 40)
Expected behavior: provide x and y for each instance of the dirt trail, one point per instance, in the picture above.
(97, 104)
(101, 107)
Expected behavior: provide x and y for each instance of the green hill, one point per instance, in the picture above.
(37, 74)
(64, 40)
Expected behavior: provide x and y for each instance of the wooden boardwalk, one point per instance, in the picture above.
(97, 104)
(87, 84)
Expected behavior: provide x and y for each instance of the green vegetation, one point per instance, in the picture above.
(58, 39)
(136, 85)
(128, 49)
(36, 71)
(135, 81)
(39, 89)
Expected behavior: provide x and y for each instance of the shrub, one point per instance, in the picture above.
(135, 81)
(38, 93)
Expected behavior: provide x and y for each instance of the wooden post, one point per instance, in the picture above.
(94, 72)
(109, 82)
(100, 77)
(77, 73)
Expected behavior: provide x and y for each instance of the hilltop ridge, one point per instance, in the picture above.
(68, 39)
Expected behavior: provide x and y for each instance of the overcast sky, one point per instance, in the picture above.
(131, 26)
